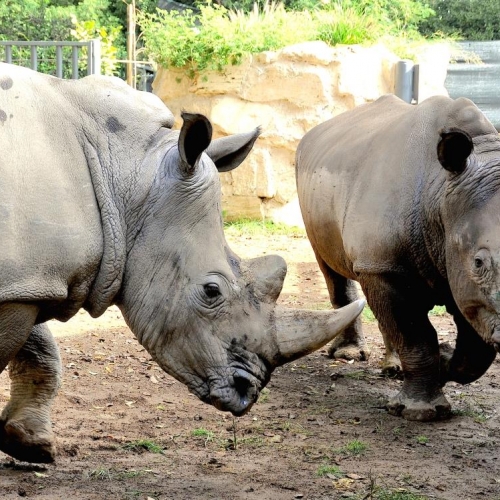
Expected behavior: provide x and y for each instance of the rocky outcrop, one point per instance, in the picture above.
(286, 93)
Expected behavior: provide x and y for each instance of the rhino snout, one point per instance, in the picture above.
(495, 338)
(237, 393)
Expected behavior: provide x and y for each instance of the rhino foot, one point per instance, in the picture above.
(348, 349)
(391, 366)
(437, 408)
(27, 441)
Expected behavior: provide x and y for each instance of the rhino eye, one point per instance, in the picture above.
(478, 263)
(212, 290)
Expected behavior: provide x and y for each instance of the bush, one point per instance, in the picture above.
(216, 37)
(466, 19)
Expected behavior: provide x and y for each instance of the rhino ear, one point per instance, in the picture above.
(194, 138)
(453, 149)
(228, 152)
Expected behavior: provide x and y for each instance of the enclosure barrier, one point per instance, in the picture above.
(93, 48)
(406, 81)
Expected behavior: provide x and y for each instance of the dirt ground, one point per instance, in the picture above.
(126, 430)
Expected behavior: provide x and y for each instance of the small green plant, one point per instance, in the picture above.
(143, 445)
(437, 311)
(368, 315)
(399, 494)
(263, 396)
(100, 474)
(354, 447)
(422, 439)
(329, 470)
(205, 435)
(356, 375)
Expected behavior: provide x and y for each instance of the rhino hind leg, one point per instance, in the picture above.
(35, 373)
(351, 343)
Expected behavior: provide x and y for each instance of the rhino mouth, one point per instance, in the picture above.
(237, 393)
(495, 339)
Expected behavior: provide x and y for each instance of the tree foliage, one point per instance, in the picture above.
(467, 19)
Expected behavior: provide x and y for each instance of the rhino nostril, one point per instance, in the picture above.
(244, 385)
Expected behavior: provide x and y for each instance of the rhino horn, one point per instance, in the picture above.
(300, 332)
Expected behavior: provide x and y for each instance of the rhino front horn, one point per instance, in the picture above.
(300, 332)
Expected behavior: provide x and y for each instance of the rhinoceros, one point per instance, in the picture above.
(102, 203)
(405, 200)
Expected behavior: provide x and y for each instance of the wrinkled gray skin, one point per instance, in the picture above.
(102, 203)
(405, 200)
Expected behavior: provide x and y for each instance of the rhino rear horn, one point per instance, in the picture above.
(194, 138)
(453, 149)
(229, 152)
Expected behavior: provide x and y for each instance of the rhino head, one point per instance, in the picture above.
(208, 318)
(471, 222)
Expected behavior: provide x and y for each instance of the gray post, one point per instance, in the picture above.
(74, 63)
(34, 58)
(404, 80)
(59, 61)
(94, 57)
(8, 54)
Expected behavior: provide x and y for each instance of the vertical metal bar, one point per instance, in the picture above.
(416, 82)
(74, 63)
(59, 61)
(8, 54)
(34, 58)
(404, 79)
(94, 57)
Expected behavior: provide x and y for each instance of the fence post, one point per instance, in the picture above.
(94, 57)
(404, 80)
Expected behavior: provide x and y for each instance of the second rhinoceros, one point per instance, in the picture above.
(406, 200)
(102, 203)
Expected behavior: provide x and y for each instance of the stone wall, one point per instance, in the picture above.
(286, 93)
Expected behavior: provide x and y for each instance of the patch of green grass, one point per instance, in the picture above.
(100, 474)
(356, 375)
(263, 396)
(203, 433)
(422, 439)
(143, 445)
(354, 447)
(332, 470)
(478, 416)
(367, 315)
(438, 311)
(399, 494)
(254, 227)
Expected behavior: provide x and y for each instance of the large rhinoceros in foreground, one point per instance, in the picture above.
(406, 200)
(102, 203)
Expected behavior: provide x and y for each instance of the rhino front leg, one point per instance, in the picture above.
(471, 357)
(35, 373)
(409, 330)
(351, 343)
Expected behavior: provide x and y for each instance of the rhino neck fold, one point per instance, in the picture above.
(108, 280)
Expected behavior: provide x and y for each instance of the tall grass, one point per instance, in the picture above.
(217, 37)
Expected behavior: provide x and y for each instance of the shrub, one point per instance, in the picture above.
(215, 37)
(467, 19)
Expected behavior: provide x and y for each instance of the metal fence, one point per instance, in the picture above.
(63, 59)
(479, 81)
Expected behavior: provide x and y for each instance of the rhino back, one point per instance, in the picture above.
(370, 184)
(50, 231)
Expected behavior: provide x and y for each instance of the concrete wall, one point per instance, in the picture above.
(287, 93)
